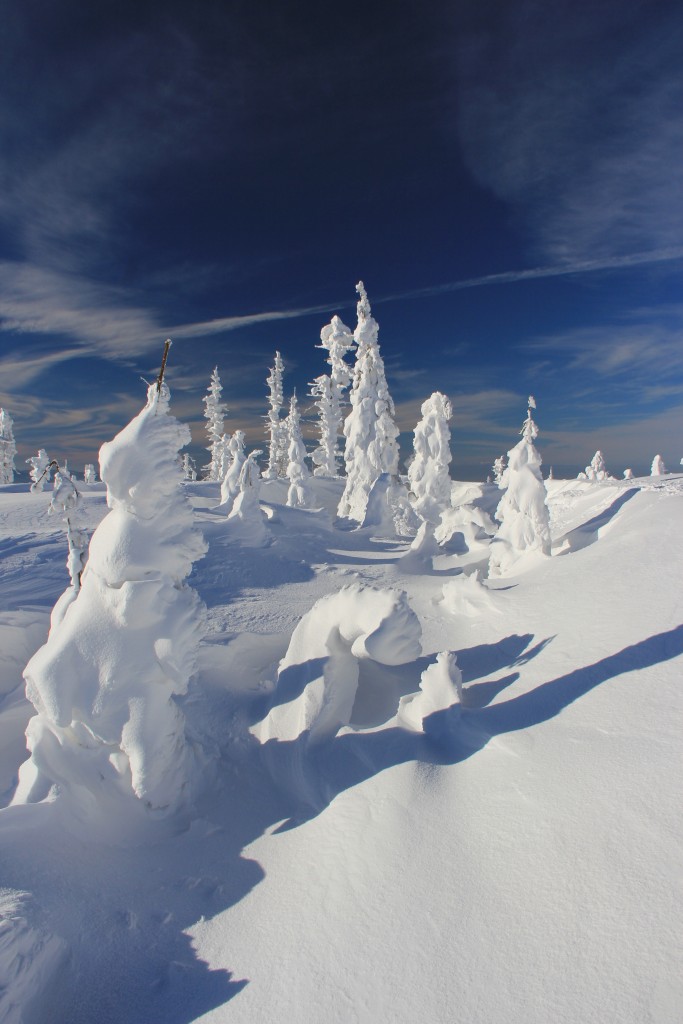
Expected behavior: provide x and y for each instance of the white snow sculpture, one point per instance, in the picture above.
(440, 690)
(597, 471)
(388, 511)
(658, 468)
(371, 448)
(231, 481)
(329, 390)
(40, 472)
(277, 428)
(214, 413)
(428, 475)
(107, 727)
(299, 494)
(320, 668)
(522, 511)
(90, 476)
(8, 448)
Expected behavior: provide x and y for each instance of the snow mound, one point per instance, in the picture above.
(466, 595)
(440, 690)
(318, 676)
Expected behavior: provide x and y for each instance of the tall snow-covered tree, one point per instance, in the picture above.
(107, 729)
(276, 428)
(597, 471)
(214, 413)
(371, 446)
(40, 472)
(657, 468)
(522, 511)
(337, 339)
(89, 474)
(299, 494)
(8, 448)
(428, 475)
(498, 469)
(231, 481)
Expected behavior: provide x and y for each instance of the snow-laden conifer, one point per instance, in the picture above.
(657, 468)
(299, 494)
(214, 413)
(89, 474)
(40, 472)
(522, 511)
(276, 427)
(371, 447)
(8, 448)
(498, 469)
(231, 481)
(107, 726)
(329, 390)
(428, 476)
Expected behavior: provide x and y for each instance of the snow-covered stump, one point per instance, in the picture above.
(428, 475)
(318, 676)
(523, 512)
(107, 729)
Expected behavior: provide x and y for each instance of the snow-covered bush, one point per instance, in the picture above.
(8, 448)
(658, 468)
(299, 494)
(277, 427)
(597, 471)
(231, 481)
(214, 413)
(107, 726)
(428, 475)
(522, 511)
(371, 447)
(40, 472)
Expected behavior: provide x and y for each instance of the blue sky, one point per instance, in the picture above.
(505, 178)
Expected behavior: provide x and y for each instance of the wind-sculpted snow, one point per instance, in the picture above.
(440, 691)
(318, 676)
(104, 682)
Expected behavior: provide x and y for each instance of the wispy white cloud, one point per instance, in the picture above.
(221, 325)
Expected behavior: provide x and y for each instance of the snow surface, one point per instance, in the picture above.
(513, 856)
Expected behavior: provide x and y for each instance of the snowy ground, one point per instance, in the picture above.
(524, 867)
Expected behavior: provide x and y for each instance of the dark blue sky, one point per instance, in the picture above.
(505, 178)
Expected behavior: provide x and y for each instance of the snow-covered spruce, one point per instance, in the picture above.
(328, 390)
(8, 448)
(498, 468)
(189, 467)
(597, 470)
(214, 413)
(371, 446)
(428, 476)
(246, 520)
(299, 494)
(657, 468)
(65, 502)
(522, 511)
(231, 481)
(89, 474)
(40, 472)
(276, 428)
(107, 726)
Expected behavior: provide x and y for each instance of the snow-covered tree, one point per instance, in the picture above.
(498, 468)
(40, 472)
(214, 413)
(89, 474)
(371, 447)
(65, 501)
(276, 428)
(107, 727)
(522, 511)
(299, 494)
(8, 448)
(329, 390)
(628, 473)
(428, 475)
(231, 481)
(658, 468)
(597, 471)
